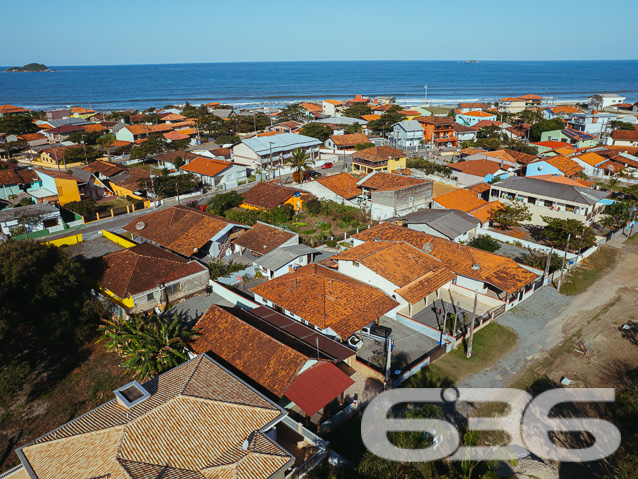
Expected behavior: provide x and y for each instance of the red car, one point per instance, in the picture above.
(326, 165)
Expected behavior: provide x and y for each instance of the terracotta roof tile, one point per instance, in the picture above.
(342, 184)
(480, 168)
(263, 238)
(379, 153)
(522, 158)
(17, 177)
(104, 167)
(327, 299)
(268, 195)
(178, 228)
(483, 212)
(565, 165)
(206, 166)
(462, 200)
(504, 273)
(172, 156)
(130, 179)
(196, 419)
(141, 268)
(625, 135)
(5, 109)
(382, 181)
(436, 120)
(350, 140)
(32, 137)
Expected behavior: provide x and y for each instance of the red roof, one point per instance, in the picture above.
(552, 144)
(317, 386)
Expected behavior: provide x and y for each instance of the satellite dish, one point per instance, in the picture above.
(427, 247)
(140, 225)
(195, 250)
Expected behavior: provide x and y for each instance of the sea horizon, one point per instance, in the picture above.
(277, 83)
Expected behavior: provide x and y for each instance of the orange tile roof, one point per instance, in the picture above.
(483, 212)
(460, 200)
(472, 151)
(379, 153)
(519, 157)
(188, 131)
(585, 183)
(350, 140)
(327, 299)
(382, 181)
(501, 272)
(562, 180)
(501, 155)
(270, 363)
(144, 129)
(5, 109)
(371, 117)
(268, 133)
(625, 135)
(174, 117)
(403, 265)
(552, 144)
(480, 168)
(531, 96)
(174, 136)
(343, 184)
(565, 165)
(206, 166)
(334, 102)
(263, 238)
(312, 107)
(409, 112)
(120, 143)
(511, 99)
(81, 111)
(564, 109)
(479, 114)
(178, 228)
(198, 421)
(268, 195)
(94, 127)
(564, 151)
(32, 137)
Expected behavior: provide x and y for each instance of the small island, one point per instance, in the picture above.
(31, 67)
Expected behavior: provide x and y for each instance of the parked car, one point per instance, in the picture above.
(327, 165)
(374, 331)
(355, 343)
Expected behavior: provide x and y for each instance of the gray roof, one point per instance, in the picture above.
(67, 121)
(573, 194)
(282, 256)
(341, 120)
(450, 223)
(410, 125)
(44, 208)
(82, 174)
(280, 143)
(223, 113)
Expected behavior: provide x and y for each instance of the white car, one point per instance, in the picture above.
(355, 343)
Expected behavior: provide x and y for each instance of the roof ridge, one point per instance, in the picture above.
(137, 259)
(200, 358)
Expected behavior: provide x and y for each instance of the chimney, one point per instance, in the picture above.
(131, 394)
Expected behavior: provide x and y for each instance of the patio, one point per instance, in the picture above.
(434, 314)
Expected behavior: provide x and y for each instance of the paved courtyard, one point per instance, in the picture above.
(192, 309)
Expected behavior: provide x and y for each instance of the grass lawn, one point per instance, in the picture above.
(490, 344)
(589, 271)
(114, 203)
(437, 110)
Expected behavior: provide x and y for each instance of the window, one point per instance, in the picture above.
(411, 199)
(531, 200)
(569, 208)
(547, 203)
(173, 288)
(150, 297)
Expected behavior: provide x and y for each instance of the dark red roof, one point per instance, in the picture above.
(317, 386)
(65, 129)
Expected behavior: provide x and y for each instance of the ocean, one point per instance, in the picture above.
(251, 85)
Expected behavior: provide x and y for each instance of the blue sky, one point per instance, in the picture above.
(72, 32)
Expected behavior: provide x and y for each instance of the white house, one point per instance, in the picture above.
(605, 100)
(407, 134)
(217, 173)
(332, 107)
(275, 150)
(285, 259)
(44, 216)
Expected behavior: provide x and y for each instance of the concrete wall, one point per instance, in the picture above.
(386, 204)
(323, 193)
(188, 285)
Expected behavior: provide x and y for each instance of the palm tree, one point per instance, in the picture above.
(613, 182)
(300, 162)
(149, 346)
(105, 142)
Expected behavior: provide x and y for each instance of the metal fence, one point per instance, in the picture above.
(329, 424)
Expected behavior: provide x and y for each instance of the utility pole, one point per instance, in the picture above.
(469, 345)
(444, 322)
(560, 280)
(582, 240)
(57, 162)
(548, 263)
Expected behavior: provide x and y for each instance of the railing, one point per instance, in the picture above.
(329, 424)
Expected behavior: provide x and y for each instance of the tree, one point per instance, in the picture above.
(18, 124)
(510, 215)
(80, 153)
(293, 112)
(618, 214)
(316, 130)
(225, 139)
(82, 208)
(385, 123)
(155, 144)
(212, 125)
(313, 206)
(613, 183)
(621, 125)
(486, 243)
(179, 162)
(222, 202)
(363, 146)
(350, 129)
(357, 110)
(149, 346)
(28, 218)
(544, 125)
(105, 142)
(191, 111)
(557, 230)
(89, 138)
(167, 186)
(300, 162)
(539, 261)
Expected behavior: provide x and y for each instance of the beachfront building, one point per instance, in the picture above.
(605, 100)
(511, 105)
(332, 107)
(579, 139)
(438, 130)
(592, 122)
(261, 152)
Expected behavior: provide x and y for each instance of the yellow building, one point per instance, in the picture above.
(66, 186)
(380, 158)
(266, 196)
(79, 112)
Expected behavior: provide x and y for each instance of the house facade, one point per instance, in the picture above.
(438, 131)
(387, 194)
(273, 151)
(407, 134)
(378, 159)
(216, 173)
(471, 118)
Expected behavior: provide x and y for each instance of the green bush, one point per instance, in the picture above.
(220, 269)
(308, 232)
(486, 243)
(313, 206)
(331, 243)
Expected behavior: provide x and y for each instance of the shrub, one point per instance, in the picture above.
(82, 208)
(220, 269)
(331, 243)
(308, 232)
(486, 243)
(313, 206)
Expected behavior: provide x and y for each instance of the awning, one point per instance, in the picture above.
(317, 386)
